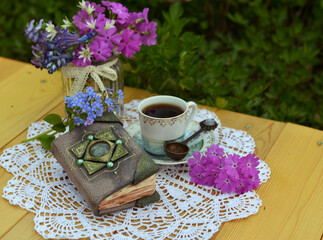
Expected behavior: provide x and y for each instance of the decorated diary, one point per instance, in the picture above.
(107, 166)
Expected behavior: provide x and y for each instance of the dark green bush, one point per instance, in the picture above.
(262, 58)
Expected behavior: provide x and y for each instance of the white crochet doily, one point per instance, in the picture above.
(185, 211)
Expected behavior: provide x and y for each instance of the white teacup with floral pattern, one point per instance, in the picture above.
(156, 131)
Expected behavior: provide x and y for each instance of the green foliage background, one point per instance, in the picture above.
(263, 58)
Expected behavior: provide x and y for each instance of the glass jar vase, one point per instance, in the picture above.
(107, 75)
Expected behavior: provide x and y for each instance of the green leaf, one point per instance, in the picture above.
(237, 18)
(221, 102)
(59, 127)
(53, 119)
(46, 141)
(71, 127)
(68, 111)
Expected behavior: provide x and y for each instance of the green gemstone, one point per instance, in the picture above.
(99, 149)
(110, 164)
(119, 141)
(79, 162)
(90, 137)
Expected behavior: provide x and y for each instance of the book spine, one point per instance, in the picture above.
(59, 156)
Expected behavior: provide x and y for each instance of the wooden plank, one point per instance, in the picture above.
(292, 198)
(23, 230)
(9, 66)
(264, 131)
(9, 214)
(26, 95)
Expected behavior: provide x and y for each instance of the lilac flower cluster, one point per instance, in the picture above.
(96, 33)
(85, 107)
(230, 173)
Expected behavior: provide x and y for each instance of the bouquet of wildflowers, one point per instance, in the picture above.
(230, 173)
(96, 33)
(81, 109)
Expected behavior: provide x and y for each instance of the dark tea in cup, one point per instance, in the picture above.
(162, 110)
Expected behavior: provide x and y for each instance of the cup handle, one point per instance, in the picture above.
(193, 113)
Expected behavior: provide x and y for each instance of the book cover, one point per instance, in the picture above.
(107, 166)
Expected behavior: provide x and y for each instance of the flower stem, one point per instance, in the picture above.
(39, 135)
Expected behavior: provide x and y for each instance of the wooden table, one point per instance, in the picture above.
(292, 198)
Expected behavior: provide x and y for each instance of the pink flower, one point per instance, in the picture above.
(83, 57)
(149, 36)
(210, 174)
(98, 8)
(253, 182)
(100, 22)
(196, 160)
(231, 165)
(130, 44)
(110, 37)
(100, 50)
(218, 163)
(214, 150)
(224, 172)
(248, 165)
(243, 185)
(80, 20)
(196, 174)
(226, 183)
(117, 8)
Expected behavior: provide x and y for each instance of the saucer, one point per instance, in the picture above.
(200, 143)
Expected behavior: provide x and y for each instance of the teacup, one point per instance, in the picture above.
(162, 119)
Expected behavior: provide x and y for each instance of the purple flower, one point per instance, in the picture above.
(83, 57)
(226, 183)
(210, 174)
(80, 20)
(196, 174)
(117, 8)
(129, 46)
(252, 182)
(218, 163)
(214, 150)
(98, 8)
(231, 165)
(196, 160)
(248, 165)
(120, 94)
(110, 36)
(100, 50)
(148, 37)
(243, 185)
(31, 32)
